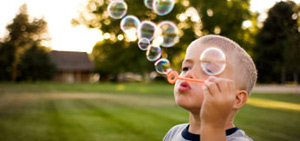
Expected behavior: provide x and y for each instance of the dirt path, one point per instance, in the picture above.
(277, 89)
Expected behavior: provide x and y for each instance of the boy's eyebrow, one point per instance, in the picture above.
(187, 61)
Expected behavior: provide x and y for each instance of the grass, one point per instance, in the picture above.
(124, 88)
(133, 111)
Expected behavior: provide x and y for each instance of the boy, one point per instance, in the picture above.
(212, 105)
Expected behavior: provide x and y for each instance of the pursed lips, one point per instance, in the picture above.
(184, 86)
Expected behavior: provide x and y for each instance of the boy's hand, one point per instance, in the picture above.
(219, 96)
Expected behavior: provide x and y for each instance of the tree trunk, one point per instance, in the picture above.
(283, 75)
(295, 75)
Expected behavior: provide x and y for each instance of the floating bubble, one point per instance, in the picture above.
(129, 25)
(153, 52)
(129, 22)
(146, 30)
(169, 32)
(163, 7)
(148, 3)
(162, 66)
(213, 61)
(143, 43)
(117, 9)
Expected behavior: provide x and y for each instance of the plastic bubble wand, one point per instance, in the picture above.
(172, 77)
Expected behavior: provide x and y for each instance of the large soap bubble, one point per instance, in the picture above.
(168, 32)
(213, 61)
(163, 7)
(146, 30)
(117, 9)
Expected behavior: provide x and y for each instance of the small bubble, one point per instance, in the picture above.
(117, 9)
(153, 52)
(146, 30)
(143, 44)
(163, 7)
(162, 66)
(148, 3)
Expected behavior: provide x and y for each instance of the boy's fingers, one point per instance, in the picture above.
(222, 85)
(205, 90)
(212, 87)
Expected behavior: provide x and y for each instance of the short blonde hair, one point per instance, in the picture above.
(244, 70)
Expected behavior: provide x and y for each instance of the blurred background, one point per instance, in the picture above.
(68, 72)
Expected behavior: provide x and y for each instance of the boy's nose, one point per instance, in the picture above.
(189, 74)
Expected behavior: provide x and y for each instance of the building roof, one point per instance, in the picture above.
(71, 61)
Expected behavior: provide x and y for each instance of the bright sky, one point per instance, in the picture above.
(59, 14)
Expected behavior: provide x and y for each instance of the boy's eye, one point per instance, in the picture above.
(185, 68)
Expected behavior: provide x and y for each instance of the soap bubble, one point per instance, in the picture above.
(163, 7)
(162, 66)
(148, 3)
(117, 9)
(143, 43)
(153, 52)
(129, 25)
(129, 22)
(168, 31)
(213, 61)
(146, 30)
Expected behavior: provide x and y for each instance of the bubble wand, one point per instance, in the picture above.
(172, 77)
(212, 59)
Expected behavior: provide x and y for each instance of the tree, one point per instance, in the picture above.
(227, 19)
(7, 58)
(277, 50)
(23, 34)
(113, 56)
(35, 64)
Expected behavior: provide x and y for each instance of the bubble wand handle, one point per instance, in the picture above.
(173, 76)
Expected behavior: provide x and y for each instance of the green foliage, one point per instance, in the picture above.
(113, 56)
(23, 34)
(35, 64)
(7, 58)
(226, 17)
(278, 48)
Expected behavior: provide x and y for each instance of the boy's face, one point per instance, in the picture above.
(187, 94)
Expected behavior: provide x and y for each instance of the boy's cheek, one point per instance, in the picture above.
(176, 86)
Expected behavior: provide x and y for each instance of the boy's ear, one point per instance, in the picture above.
(240, 99)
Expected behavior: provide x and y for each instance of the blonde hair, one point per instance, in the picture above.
(244, 70)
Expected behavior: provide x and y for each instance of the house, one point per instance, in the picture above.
(72, 66)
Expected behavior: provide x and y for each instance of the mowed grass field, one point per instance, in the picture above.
(129, 111)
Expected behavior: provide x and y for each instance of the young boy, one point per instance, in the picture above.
(213, 105)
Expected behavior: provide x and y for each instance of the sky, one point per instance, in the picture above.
(59, 14)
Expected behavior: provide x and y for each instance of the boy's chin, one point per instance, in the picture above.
(188, 106)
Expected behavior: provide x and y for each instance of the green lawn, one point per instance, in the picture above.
(133, 111)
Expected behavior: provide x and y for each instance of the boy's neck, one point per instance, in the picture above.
(195, 123)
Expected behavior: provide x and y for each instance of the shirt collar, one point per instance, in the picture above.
(195, 137)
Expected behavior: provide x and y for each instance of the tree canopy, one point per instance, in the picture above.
(278, 45)
(194, 18)
(25, 35)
